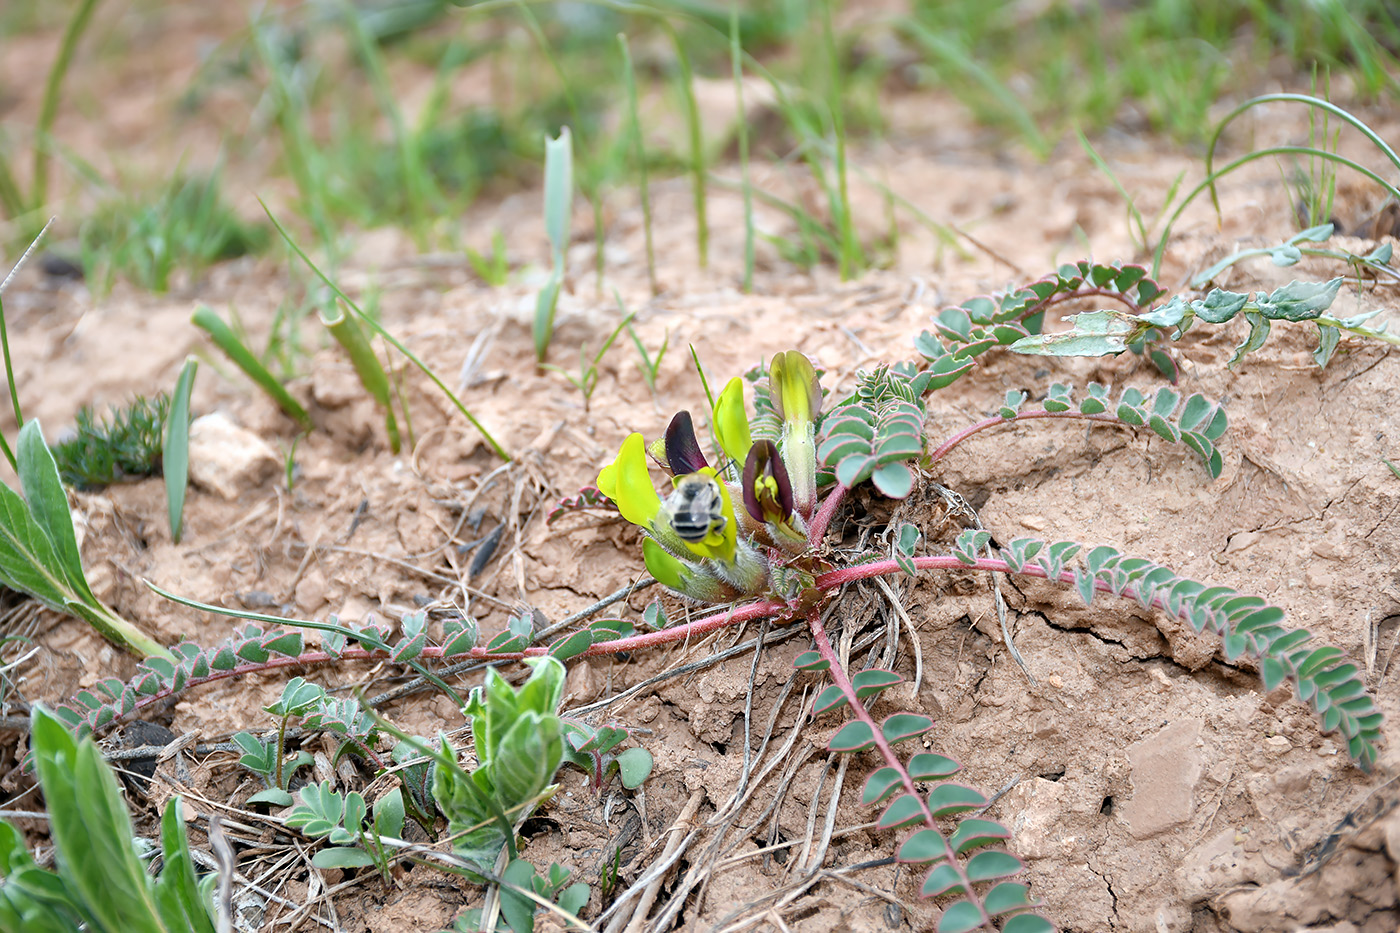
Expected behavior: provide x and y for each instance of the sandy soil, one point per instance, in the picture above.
(1151, 785)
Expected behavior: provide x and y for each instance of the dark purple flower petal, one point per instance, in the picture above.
(767, 489)
(682, 449)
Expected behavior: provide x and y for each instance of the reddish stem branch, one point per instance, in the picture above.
(996, 421)
(837, 672)
(817, 530)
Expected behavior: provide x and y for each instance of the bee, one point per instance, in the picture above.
(695, 507)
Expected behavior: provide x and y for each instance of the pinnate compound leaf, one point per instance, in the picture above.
(1027, 923)
(881, 784)
(904, 810)
(1009, 895)
(926, 766)
(973, 833)
(948, 799)
(941, 880)
(852, 737)
(903, 726)
(926, 845)
(829, 699)
(993, 863)
(960, 917)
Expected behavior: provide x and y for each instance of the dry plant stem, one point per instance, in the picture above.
(676, 833)
(967, 432)
(837, 673)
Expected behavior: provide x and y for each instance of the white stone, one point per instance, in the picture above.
(226, 459)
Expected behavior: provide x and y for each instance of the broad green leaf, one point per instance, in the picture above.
(48, 504)
(1258, 333)
(517, 909)
(811, 661)
(829, 699)
(894, 480)
(177, 890)
(869, 683)
(1299, 301)
(942, 879)
(571, 645)
(1009, 895)
(91, 830)
(1092, 333)
(1027, 923)
(973, 833)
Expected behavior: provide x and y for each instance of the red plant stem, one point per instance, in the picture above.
(704, 625)
(844, 575)
(837, 672)
(745, 613)
(993, 422)
(817, 530)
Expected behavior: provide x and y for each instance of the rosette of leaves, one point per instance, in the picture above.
(519, 745)
(341, 821)
(876, 433)
(966, 331)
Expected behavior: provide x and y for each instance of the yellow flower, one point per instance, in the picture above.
(732, 421)
(627, 482)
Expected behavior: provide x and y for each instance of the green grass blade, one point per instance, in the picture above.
(629, 78)
(1010, 106)
(558, 214)
(737, 64)
(417, 182)
(226, 340)
(851, 258)
(383, 332)
(352, 340)
(1210, 180)
(685, 79)
(1315, 102)
(48, 109)
(9, 372)
(175, 457)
